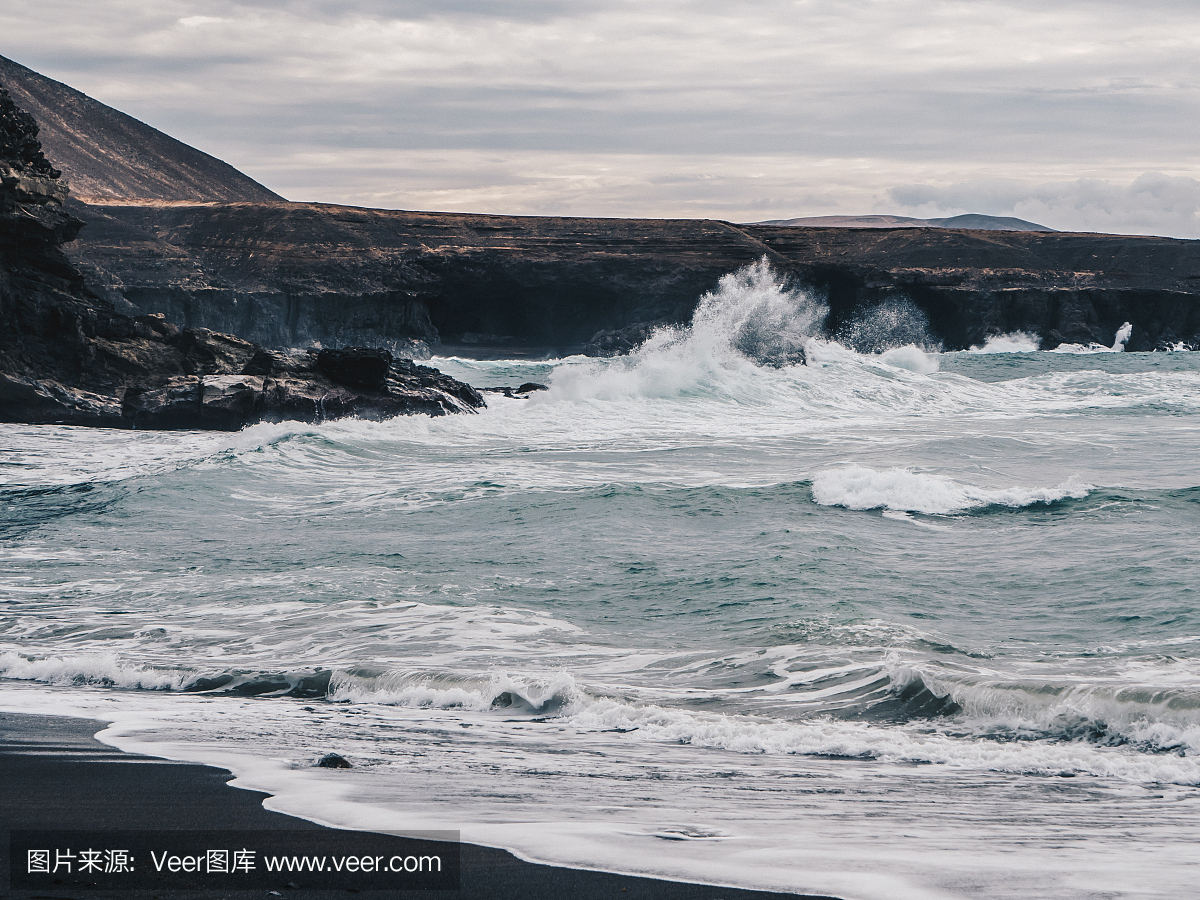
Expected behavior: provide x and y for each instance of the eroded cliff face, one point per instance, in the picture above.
(68, 356)
(1063, 287)
(287, 274)
(294, 274)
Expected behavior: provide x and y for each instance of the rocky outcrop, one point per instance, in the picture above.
(161, 377)
(69, 356)
(297, 385)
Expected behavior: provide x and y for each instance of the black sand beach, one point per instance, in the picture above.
(55, 775)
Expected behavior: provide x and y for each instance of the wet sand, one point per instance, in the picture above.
(55, 775)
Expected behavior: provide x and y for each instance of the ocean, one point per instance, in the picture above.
(895, 623)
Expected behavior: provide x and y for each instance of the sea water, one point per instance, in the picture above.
(750, 606)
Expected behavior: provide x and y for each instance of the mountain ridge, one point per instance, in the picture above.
(966, 221)
(108, 155)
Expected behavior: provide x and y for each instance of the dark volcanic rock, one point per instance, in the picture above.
(1064, 287)
(288, 274)
(517, 393)
(291, 274)
(358, 367)
(68, 356)
(19, 142)
(620, 341)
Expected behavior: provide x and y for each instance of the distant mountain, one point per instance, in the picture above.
(107, 155)
(969, 221)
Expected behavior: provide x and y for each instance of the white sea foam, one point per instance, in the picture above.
(853, 740)
(859, 487)
(1014, 342)
(912, 358)
(1119, 341)
(896, 322)
(753, 319)
(634, 795)
(103, 669)
(549, 694)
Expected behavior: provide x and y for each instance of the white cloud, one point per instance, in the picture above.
(197, 21)
(751, 106)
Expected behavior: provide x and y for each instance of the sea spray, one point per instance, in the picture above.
(753, 319)
(894, 322)
(1013, 342)
(1120, 339)
(912, 358)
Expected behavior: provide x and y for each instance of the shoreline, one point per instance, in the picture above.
(54, 774)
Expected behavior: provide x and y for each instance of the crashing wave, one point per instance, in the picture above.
(903, 490)
(1014, 342)
(1119, 341)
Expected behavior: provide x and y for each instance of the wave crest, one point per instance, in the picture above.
(549, 695)
(1014, 342)
(903, 490)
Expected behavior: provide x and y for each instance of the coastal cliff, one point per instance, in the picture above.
(1062, 287)
(67, 356)
(296, 274)
(304, 274)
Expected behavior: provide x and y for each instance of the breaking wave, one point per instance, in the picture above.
(1129, 732)
(100, 669)
(903, 490)
(1119, 341)
(752, 325)
(894, 323)
(1014, 342)
(754, 319)
(553, 695)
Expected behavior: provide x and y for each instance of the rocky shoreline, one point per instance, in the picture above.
(69, 356)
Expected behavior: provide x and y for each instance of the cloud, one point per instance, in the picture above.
(1153, 203)
(823, 99)
(197, 21)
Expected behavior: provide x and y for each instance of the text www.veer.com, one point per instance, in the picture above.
(353, 863)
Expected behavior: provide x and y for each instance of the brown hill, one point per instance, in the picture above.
(107, 155)
(970, 221)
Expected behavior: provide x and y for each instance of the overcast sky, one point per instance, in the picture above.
(1078, 115)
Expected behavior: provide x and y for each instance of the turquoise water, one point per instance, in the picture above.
(917, 624)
